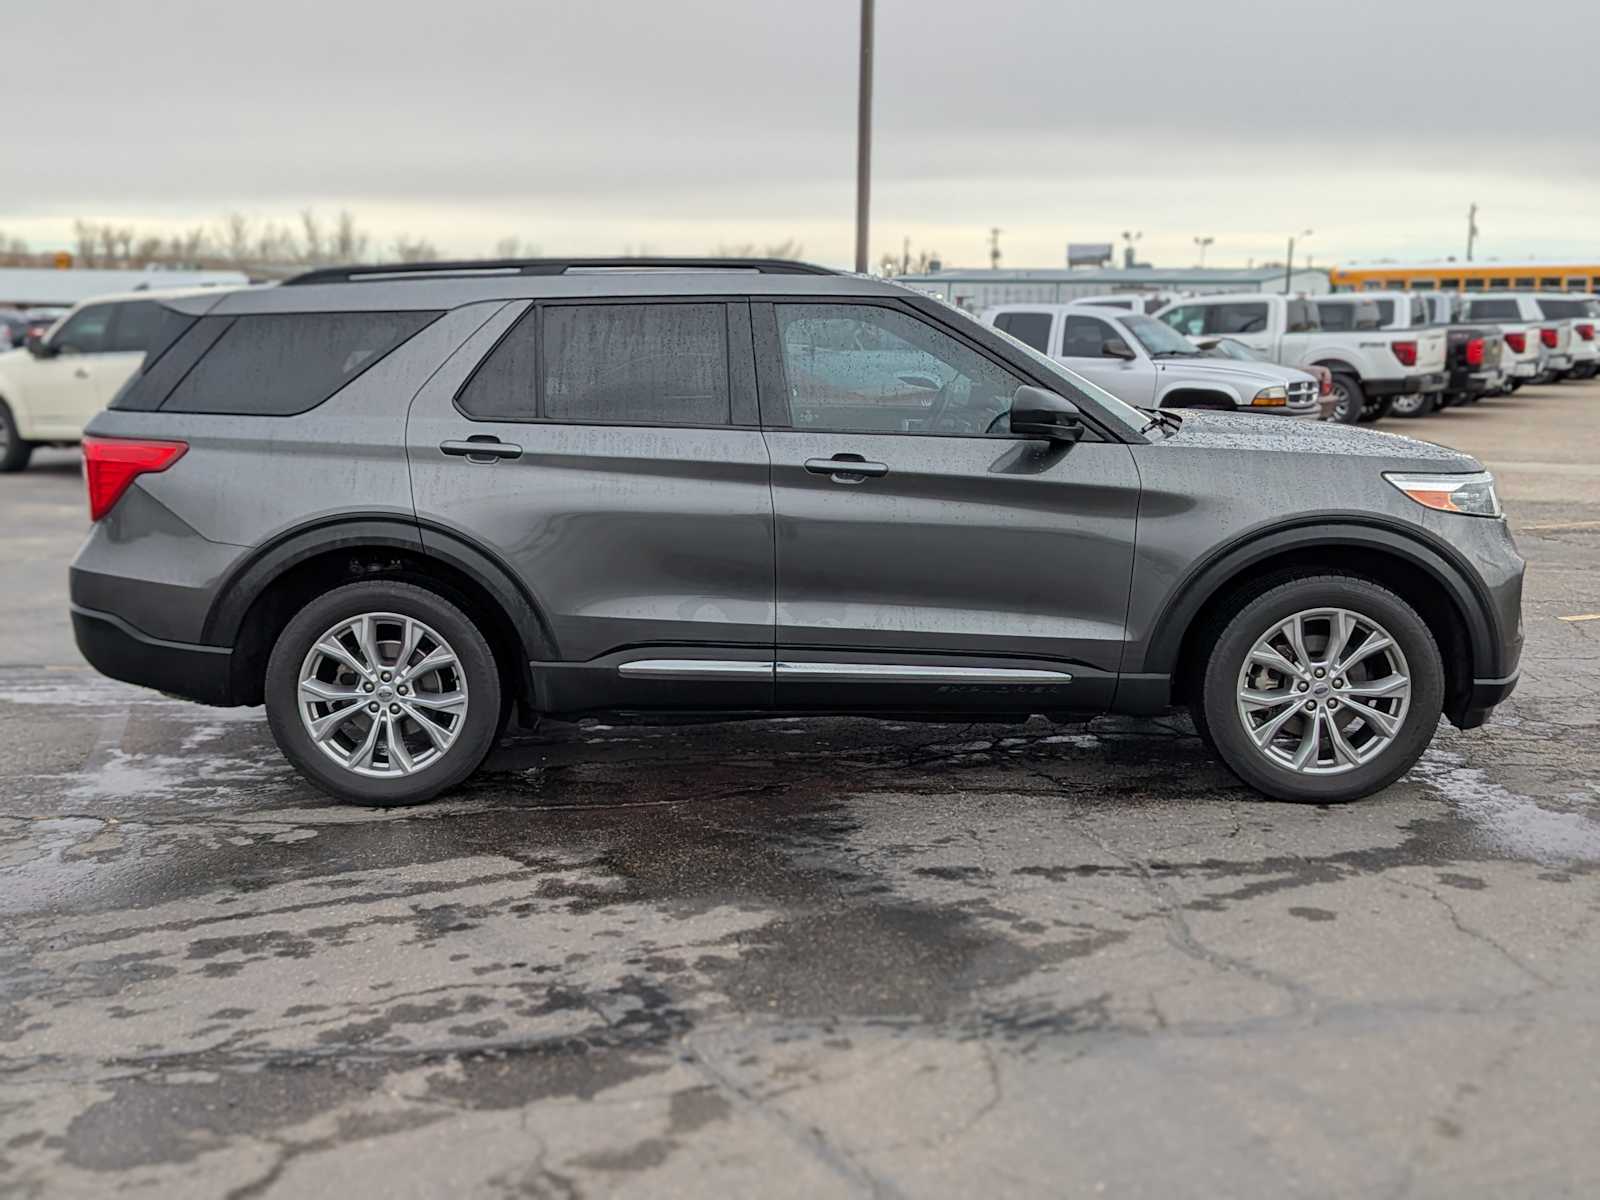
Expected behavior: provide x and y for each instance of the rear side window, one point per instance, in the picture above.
(280, 364)
(1030, 328)
(1301, 316)
(1237, 318)
(1553, 309)
(1494, 310)
(1337, 318)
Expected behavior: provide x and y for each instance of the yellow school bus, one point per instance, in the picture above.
(1468, 276)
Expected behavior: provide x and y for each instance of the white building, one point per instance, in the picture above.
(978, 288)
(30, 287)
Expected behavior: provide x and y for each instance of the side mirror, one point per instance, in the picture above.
(1115, 347)
(1036, 413)
(40, 348)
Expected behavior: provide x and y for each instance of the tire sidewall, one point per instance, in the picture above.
(477, 662)
(1252, 621)
(15, 450)
(1349, 412)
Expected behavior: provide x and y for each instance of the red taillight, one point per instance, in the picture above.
(1475, 352)
(1406, 352)
(1518, 342)
(1586, 332)
(111, 464)
(1548, 337)
(1325, 384)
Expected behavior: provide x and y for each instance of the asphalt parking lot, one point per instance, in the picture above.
(820, 957)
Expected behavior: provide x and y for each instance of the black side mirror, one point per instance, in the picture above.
(1036, 413)
(1115, 347)
(40, 348)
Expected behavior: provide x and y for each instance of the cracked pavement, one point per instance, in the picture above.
(805, 957)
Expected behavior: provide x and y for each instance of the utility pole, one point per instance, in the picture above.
(1203, 242)
(1472, 228)
(994, 248)
(1288, 263)
(864, 138)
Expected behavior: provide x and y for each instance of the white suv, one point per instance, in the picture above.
(50, 389)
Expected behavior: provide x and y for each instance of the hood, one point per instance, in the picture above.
(1204, 430)
(1232, 370)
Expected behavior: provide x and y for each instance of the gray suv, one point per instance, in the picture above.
(399, 505)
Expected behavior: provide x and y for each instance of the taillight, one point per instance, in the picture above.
(1586, 332)
(1325, 385)
(1548, 337)
(111, 464)
(1475, 352)
(1518, 342)
(1406, 352)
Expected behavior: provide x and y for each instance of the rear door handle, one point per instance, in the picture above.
(847, 468)
(481, 449)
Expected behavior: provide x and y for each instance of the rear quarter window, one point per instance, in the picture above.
(281, 364)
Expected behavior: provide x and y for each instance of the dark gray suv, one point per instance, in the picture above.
(397, 504)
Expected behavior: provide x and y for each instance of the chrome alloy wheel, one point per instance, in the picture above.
(383, 695)
(1324, 691)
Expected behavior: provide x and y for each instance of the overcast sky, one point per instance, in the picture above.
(676, 125)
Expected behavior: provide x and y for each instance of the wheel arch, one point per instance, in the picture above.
(1199, 395)
(1423, 571)
(257, 600)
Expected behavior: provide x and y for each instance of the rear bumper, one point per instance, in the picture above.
(1474, 382)
(1433, 381)
(115, 648)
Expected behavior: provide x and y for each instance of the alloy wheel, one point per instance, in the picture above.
(383, 695)
(1324, 691)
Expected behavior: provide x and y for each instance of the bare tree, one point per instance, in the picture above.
(348, 244)
(515, 247)
(788, 248)
(410, 250)
(236, 237)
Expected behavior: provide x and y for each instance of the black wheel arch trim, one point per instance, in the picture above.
(246, 583)
(1417, 546)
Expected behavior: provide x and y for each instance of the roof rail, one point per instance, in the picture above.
(549, 266)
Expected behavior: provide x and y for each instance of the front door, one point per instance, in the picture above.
(1083, 342)
(610, 454)
(87, 367)
(928, 559)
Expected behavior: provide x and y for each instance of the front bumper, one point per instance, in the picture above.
(115, 648)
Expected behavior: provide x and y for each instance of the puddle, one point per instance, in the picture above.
(1508, 823)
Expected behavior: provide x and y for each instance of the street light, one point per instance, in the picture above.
(864, 138)
(1203, 242)
(1288, 262)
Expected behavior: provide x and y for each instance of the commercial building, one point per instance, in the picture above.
(979, 288)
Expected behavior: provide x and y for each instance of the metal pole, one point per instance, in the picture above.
(864, 137)
(1288, 268)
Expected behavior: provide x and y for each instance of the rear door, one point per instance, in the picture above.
(609, 452)
(926, 557)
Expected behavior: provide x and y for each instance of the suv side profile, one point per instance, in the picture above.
(397, 504)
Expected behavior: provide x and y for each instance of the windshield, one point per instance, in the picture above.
(1157, 337)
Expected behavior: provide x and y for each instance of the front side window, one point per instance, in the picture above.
(1085, 337)
(1188, 319)
(1029, 328)
(280, 364)
(85, 331)
(1237, 318)
(862, 368)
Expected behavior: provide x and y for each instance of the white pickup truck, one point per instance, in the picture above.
(1550, 338)
(1370, 367)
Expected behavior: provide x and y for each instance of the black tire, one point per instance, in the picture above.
(1411, 407)
(479, 729)
(1215, 709)
(14, 452)
(1347, 388)
(1376, 410)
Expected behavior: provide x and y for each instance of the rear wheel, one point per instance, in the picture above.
(1414, 405)
(1322, 689)
(1351, 400)
(383, 693)
(14, 451)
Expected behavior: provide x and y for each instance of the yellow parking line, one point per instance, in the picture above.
(1582, 617)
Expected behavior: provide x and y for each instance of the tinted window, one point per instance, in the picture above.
(1301, 316)
(636, 364)
(284, 363)
(1562, 308)
(1385, 312)
(1084, 337)
(1494, 310)
(145, 326)
(1338, 318)
(867, 369)
(85, 331)
(1030, 328)
(1187, 318)
(1237, 318)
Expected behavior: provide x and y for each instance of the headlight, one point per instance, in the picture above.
(1469, 494)
(1270, 397)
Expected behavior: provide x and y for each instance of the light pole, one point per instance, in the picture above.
(1288, 263)
(1203, 242)
(864, 138)
(1129, 237)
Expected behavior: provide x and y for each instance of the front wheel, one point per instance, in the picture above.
(383, 693)
(14, 450)
(1322, 689)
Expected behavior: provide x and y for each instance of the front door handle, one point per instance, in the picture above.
(847, 468)
(80, 373)
(481, 448)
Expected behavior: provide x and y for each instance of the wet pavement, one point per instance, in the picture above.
(805, 957)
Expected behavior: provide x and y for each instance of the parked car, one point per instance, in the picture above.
(1577, 313)
(51, 388)
(1548, 342)
(1144, 362)
(1369, 368)
(13, 329)
(395, 504)
(1131, 302)
(1226, 347)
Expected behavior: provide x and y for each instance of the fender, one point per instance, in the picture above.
(1229, 399)
(1417, 546)
(256, 573)
(1338, 364)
